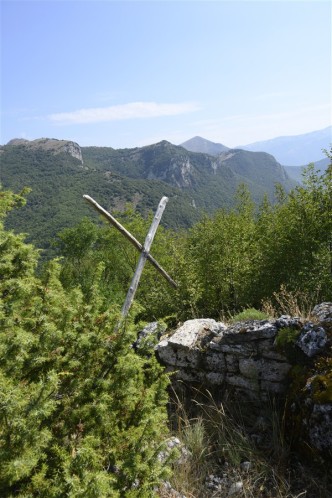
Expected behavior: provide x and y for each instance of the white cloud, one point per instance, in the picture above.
(132, 110)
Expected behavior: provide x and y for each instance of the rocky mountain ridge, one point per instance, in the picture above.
(53, 145)
(199, 144)
(184, 169)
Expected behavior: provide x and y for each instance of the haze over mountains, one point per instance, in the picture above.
(298, 150)
(60, 172)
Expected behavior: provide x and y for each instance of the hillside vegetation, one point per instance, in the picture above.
(59, 173)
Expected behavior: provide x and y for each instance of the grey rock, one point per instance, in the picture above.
(246, 466)
(312, 340)
(149, 335)
(242, 382)
(268, 387)
(214, 361)
(192, 332)
(232, 363)
(190, 375)
(171, 444)
(250, 330)
(242, 349)
(323, 312)
(171, 492)
(236, 487)
(320, 427)
(215, 378)
(269, 370)
(288, 321)
(165, 353)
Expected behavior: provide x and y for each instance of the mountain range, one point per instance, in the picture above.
(198, 176)
(298, 150)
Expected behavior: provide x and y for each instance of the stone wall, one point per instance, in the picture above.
(254, 359)
(242, 356)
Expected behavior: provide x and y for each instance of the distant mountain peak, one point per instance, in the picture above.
(199, 144)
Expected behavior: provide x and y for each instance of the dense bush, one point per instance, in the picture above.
(80, 413)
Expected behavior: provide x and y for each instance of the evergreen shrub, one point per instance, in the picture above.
(81, 415)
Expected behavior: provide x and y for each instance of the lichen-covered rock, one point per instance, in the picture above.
(195, 332)
(312, 339)
(323, 312)
(288, 321)
(250, 330)
(184, 348)
(241, 356)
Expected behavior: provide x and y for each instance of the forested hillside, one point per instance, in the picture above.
(195, 183)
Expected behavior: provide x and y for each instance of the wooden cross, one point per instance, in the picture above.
(143, 249)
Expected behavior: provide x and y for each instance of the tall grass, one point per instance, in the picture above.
(223, 442)
(294, 303)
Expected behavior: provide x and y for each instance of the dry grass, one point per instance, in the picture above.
(220, 441)
(294, 303)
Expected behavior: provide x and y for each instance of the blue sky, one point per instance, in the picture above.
(127, 74)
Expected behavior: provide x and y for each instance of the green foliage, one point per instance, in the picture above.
(294, 241)
(285, 343)
(58, 182)
(81, 413)
(86, 246)
(193, 182)
(239, 258)
(286, 336)
(249, 314)
(218, 254)
(230, 262)
(321, 382)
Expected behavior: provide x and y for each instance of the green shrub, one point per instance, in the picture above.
(81, 414)
(287, 336)
(249, 314)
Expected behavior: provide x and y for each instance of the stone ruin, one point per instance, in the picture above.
(260, 360)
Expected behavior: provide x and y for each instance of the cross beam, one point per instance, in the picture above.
(142, 249)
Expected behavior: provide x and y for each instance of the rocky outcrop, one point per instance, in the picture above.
(51, 144)
(262, 359)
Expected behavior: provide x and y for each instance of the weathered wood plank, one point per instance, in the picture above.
(129, 236)
(144, 255)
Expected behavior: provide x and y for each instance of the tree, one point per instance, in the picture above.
(294, 240)
(220, 250)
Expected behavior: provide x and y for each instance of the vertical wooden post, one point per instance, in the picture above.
(144, 254)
